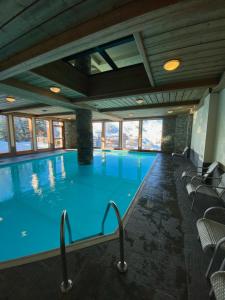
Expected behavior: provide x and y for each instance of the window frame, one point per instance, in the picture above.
(9, 137)
(138, 136)
(102, 124)
(32, 133)
(150, 119)
(49, 134)
(119, 135)
(63, 134)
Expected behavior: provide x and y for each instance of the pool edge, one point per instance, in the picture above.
(84, 243)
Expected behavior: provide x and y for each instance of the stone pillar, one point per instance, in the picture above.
(182, 132)
(168, 134)
(84, 136)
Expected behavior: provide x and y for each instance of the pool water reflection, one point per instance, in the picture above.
(34, 193)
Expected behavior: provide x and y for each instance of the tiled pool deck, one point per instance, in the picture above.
(164, 257)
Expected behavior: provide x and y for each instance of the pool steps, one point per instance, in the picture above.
(67, 284)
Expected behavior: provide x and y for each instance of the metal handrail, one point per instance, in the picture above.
(66, 284)
(121, 265)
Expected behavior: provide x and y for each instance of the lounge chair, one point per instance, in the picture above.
(211, 234)
(184, 154)
(198, 175)
(218, 283)
(210, 190)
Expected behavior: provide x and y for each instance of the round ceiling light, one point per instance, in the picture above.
(139, 101)
(55, 89)
(171, 65)
(10, 99)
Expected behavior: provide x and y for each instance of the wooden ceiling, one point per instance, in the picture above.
(46, 83)
(35, 37)
(27, 23)
(176, 97)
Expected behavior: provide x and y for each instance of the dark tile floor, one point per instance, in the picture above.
(164, 257)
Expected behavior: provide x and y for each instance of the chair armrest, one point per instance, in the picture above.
(194, 172)
(214, 208)
(203, 168)
(213, 177)
(196, 177)
(222, 267)
(208, 186)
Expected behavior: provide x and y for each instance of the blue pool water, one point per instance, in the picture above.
(33, 194)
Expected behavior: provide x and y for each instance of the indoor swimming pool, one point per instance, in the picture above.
(35, 192)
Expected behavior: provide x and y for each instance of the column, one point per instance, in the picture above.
(84, 136)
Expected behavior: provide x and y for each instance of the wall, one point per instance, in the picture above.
(199, 130)
(183, 132)
(219, 152)
(176, 133)
(70, 134)
(205, 127)
(168, 137)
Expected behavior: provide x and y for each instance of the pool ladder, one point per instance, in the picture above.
(67, 283)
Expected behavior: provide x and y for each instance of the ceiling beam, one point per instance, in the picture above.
(65, 113)
(136, 86)
(64, 74)
(27, 91)
(101, 29)
(121, 80)
(144, 56)
(148, 106)
(24, 107)
(105, 46)
(107, 58)
(68, 113)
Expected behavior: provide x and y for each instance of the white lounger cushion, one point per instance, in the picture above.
(210, 232)
(218, 283)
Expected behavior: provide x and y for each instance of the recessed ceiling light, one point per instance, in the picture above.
(10, 99)
(55, 89)
(139, 101)
(170, 111)
(171, 65)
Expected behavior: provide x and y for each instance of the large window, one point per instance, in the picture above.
(151, 134)
(4, 135)
(42, 134)
(23, 133)
(97, 134)
(112, 134)
(58, 134)
(130, 134)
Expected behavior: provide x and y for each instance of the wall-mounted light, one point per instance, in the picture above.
(171, 65)
(55, 89)
(139, 101)
(10, 99)
(170, 111)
